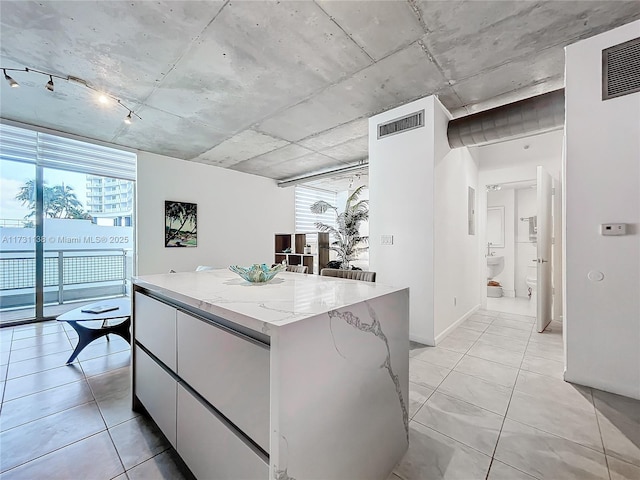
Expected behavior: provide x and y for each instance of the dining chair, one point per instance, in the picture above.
(297, 268)
(365, 276)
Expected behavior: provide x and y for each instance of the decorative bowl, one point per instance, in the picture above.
(258, 272)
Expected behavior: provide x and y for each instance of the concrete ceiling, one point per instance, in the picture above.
(279, 88)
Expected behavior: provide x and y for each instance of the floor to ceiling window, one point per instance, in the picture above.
(66, 223)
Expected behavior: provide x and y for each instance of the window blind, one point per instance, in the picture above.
(52, 151)
(304, 198)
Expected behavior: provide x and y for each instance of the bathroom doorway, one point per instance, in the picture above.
(511, 253)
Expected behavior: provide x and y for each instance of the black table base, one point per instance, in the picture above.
(88, 335)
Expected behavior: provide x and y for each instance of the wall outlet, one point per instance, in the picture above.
(386, 239)
(613, 229)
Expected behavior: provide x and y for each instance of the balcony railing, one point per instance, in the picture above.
(68, 275)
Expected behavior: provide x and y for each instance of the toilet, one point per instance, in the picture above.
(531, 280)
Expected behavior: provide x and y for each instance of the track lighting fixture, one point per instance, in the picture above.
(11, 81)
(104, 98)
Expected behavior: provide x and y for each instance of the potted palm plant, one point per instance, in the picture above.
(347, 241)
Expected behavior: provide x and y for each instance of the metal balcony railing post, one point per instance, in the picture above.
(60, 277)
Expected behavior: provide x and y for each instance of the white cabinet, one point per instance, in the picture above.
(156, 389)
(210, 449)
(229, 371)
(155, 328)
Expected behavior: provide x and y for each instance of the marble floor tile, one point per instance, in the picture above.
(38, 364)
(545, 350)
(496, 354)
(546, 456)
(462, 421)
(487, 370)
(165, 466)
(487, 313)
(575, 424)
(486, 319)
(112, 392)
(490, 396)
(502, 471)
(107, 363)
(37, 329)
(426, 374)
(456, 344)
(39, 351)
(515, 316)
(100, 349)
(543, 366)
(38, 405)
(435, 456)
(418, 395)
(508, 332)
(37, 382)
(464, 334)
(619, 419)
(93, 458)
(439, 356)
(548, 389)
(508, 343)
(34, 439)
(476, 325)
(620, 470)
(137, 440)
(518, 325)
(39, 340)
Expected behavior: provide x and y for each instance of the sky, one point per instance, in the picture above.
(14, 175)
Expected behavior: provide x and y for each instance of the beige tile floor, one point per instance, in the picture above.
(488, 403)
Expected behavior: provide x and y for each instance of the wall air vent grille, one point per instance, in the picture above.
(621, 69)
(399, 125)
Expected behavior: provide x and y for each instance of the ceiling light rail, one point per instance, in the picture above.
(104, 97)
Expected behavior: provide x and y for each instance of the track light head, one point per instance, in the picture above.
(49, 85)
(11, 81)
(128, 118)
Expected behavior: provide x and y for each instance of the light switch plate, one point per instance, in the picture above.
(386, 239)
(613, 229)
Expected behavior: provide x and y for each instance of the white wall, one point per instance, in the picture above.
(238, 214)
(456, 285)
(402, 169)
(602, 324)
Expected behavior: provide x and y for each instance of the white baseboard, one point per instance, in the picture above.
(423, 340)
(455, 324)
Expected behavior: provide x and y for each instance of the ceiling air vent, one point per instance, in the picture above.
(414, 120)
(621, 69)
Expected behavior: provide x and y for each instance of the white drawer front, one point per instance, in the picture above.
(156, 389)
(155, 328)
(230, 372)
(209, 448)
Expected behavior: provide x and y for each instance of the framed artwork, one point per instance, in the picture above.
(180, 224)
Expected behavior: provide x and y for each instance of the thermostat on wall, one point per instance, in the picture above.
(613, 229)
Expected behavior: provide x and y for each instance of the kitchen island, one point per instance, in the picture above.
(304, 377)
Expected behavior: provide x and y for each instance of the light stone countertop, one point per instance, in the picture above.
(288, 298)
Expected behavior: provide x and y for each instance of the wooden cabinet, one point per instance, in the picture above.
(296, 242)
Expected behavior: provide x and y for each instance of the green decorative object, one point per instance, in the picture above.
(258, 272)
(348, 243)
